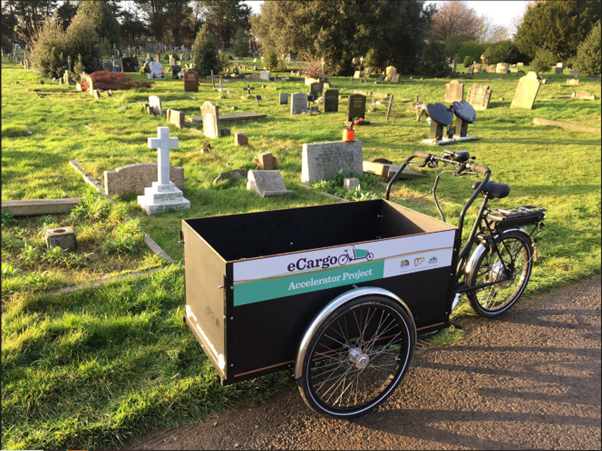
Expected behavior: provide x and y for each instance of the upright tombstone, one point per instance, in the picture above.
(264, 75)
(298, 103)
(155, 69)
(283, 98)
(331, 100)
(117, 66)
(157, 59)
(90, 85)
(367, 72)
(454, 91)
(479, 97)
(502, 68)
(155, 105)
(176, 118)
(108, 65)
(163, 195)
(356, 107)
(210, 114)
(526, 91)
(267, 183)
(441, 117)
(574, 73)
(315, 89)
(322, 161)
(357, 74)
(128, 64)
(558, 70)
(465, 114)
(390, 73)
(191, 81)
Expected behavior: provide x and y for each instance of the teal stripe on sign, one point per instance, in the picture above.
(279, 287)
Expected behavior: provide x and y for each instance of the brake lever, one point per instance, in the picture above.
(462, 168)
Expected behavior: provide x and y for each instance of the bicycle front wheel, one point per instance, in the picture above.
(512, 271)
(357, 358)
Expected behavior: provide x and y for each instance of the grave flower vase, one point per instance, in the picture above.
(348, 135)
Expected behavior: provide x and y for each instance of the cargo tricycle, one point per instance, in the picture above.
(338, 293)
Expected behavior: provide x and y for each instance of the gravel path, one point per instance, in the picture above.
(529, 380)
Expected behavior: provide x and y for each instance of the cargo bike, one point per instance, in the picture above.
(338, 293)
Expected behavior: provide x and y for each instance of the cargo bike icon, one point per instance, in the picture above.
(338, 293)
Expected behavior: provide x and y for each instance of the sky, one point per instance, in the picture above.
(501, 12)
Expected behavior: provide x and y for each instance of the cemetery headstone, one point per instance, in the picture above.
(163, 195)
(441, 117)
(367, 72)
(519, 64)
(395, 78)
(117, 66)
(133, 178)
(283, 98)
(575, 73)
(155, 69)
(585, 95)
(357, 74)
(351, 183)
(479, 97)
(176, 118)
(264, 75)
(465, 114)
(128, 64)
(502, 68)
(390, 72)
(298, 103)
(526, 91)
(108, 65)
(155, 104)
(266, 161)
(90, 81)
(315, 89)
(356, 107)
(572, 81)
(241, 139)
(331, 100)
(210, 115)
(454, 91)
(322, 161)
(267, 183)
(191, 81)
(558, 70)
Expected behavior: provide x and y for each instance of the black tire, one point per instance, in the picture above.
(369, 256)
(496, 299)
(357, 357)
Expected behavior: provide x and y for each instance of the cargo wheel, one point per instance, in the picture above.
(357, 357)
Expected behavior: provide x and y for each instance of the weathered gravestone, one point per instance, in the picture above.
(479, 97)
(191, 81)
(526, 91)
(107, 65)
(298, 103)
(176, 118)
(266, 161)
(283, 98)
(585, 95)
(163, 195)
(133, 178)
(210, 115)
(155, 105)
(491, 69)
(572, 81)
(575, 73)
(315, 89)
(558, 70)
(502, 68)
(264, 75)
(454, 91)
(367, 72)
(331, 100)
(357, 74)
(356, 107)
(322, 161)
(519, 64)
(390, 73)
(267, 183)
(117, 66)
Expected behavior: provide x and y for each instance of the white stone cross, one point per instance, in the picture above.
(163, 143)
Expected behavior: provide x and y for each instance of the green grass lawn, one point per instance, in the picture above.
(90, 369)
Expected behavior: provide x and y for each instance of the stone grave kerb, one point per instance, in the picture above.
(163, 143)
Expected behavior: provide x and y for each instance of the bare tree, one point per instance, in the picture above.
(455, 16)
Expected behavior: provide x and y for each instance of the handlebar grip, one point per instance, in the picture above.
(472, 166)
(422, 154)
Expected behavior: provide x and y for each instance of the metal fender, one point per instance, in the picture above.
(474, 257)
(335, 304)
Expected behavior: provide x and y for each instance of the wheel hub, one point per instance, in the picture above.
(498, 272)
(359, 359)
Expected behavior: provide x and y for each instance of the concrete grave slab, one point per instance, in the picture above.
(40, 207)
(322, 161)
(134, 178)
(267, 184)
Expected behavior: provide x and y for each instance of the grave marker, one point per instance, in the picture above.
(298, 103)
(586, 95)
(191, 81)
(155, 70)
(356, 107)
(322, 161)
(163, 195)
(117, 66)
(572, 81)
(575, 73)
(390, 72)
(526, 91)
(264, 75)
(133, 178)
(315, 89)
(210, 114)
(454, 91)
(479, 97)
(154, 102)
(283, 98)
(558, 69)
(176, 118)
(502, 68)
(267, 183)
(108, 65)
(331, 100)
(266, 161)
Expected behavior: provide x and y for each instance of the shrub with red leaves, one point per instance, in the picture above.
(106, 80)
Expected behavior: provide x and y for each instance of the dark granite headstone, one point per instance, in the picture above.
(331, 100)
(191, 81)
(356, 106)
(315, 89)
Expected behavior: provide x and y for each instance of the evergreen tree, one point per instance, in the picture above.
(240, 47)
(206, 55)
(105, 24)
(557, 26)
(588, 54)
(83, 40)
(224, 17)
(434, 61)
(49, 50)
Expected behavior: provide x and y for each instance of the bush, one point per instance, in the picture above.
(224, 62)
(434, 62)
(114, 81)
(467, 61)
(78, 69)
(453, 43)
(543, 61)
(270, 60)
(6, 45)
(375, 60)
(472, 49)
(106, 50)
(588, 58)
(504, 52)
(206, 56)
(240, 47)
(49, 50)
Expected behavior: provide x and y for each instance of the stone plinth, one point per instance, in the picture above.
(322, 161)
(351, 183)
(63, 237)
